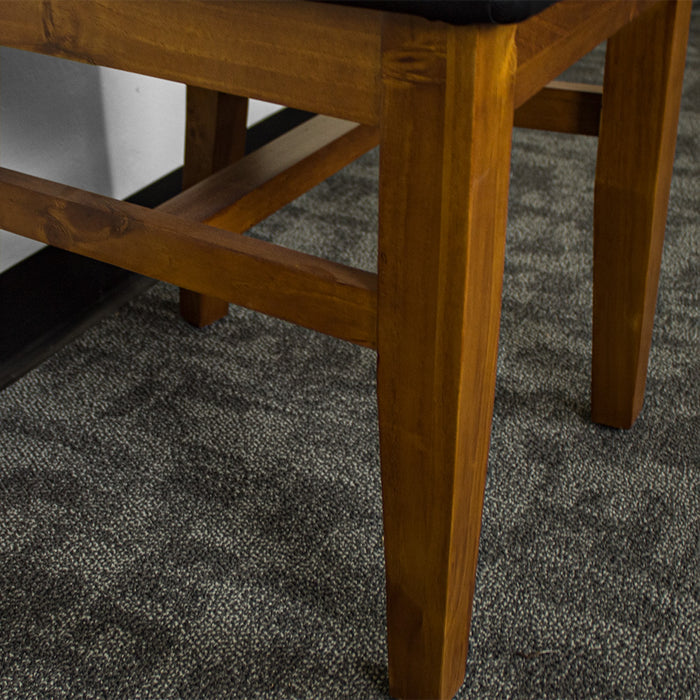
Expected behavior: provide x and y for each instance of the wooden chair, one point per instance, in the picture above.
(441, 101)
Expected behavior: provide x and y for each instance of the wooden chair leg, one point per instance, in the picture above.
(641, 101)
(214, 138)
(444, 174)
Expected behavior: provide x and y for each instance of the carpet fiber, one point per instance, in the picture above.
(197, 514)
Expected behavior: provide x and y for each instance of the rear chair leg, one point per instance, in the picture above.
(214, 138)
(641, 102)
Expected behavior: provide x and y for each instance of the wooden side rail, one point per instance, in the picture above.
(246, 192)
(341, 77)
(252, 49)
(571, 108)
(550, 42)
(242, 194)
(312, 292)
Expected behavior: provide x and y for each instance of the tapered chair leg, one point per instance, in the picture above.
(446, 123)
(641, 101)
(214, 138)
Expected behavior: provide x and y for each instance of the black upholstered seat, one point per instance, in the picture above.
(457, 11)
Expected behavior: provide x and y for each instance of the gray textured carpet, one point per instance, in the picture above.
(196, 514)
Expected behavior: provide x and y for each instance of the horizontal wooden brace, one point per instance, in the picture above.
(319, 57)
(551, 41)
(571, 108)
(246, 192)
(262, 49)
(325, 296)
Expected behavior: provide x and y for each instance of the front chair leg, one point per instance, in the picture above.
(641, 102)
(446, 122)
(215, 136)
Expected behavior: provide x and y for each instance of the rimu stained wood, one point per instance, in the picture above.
(443, 198)
(570, 108)
(550, 42)
(215, 136)
(319, 57)
(306, 290)
(244, 193)
(641, 101)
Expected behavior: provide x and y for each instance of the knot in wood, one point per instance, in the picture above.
(416, 65)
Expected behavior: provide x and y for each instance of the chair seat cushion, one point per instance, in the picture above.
(457, 11)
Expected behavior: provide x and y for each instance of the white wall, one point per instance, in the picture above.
(96, 128)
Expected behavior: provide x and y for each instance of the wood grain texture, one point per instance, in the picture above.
(215, 136)
(570, 108)
(444, 99)
(215, 132)
(447, 117)
(550, 42)
(641, 102)
(244, 193)
(261, 49)
(306, 290)
(320, 57)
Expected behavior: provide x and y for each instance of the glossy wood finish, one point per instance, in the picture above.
(306, 290)
(642, 91)
(443, 201)
(570, 108)
(215, 134)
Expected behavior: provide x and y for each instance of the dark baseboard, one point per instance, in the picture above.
(53, 296)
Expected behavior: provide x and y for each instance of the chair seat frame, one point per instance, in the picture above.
(441, 102)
